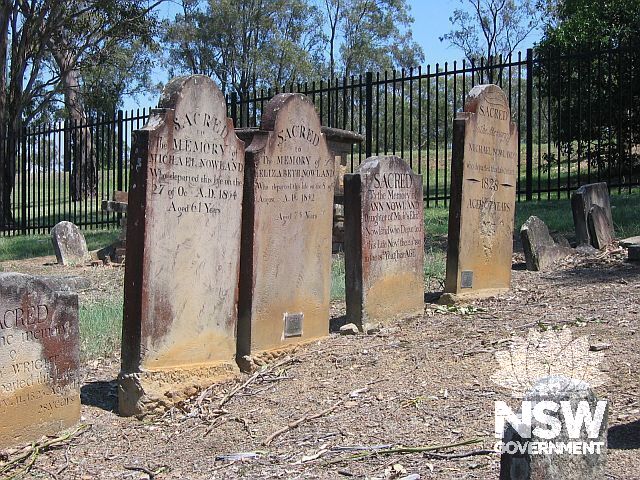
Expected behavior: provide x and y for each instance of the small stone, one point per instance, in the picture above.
(69, 244)
(634, 253)
(372, 329)
(597, 347)
(627, 242)
(349, 329)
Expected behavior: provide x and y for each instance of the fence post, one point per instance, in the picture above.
(23, 195)
(234, 109)
(120, 150)
(529, 136)
(368, 127)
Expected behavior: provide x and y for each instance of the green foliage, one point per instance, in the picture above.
(100, 328)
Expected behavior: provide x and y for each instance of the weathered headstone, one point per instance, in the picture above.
(634, 253)
(183, 249)
(286, 243)
(558, 464)
(69, 244)
(384, 242)
(600, 230)
(483, 188)
(540, 249)
(581, 202)
(39, 359)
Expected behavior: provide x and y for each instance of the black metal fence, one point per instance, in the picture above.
(578, 118)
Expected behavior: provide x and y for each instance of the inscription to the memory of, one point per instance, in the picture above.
(287, 232)
(384, 241)
(483, 185)
(183, 247)
(39, 357)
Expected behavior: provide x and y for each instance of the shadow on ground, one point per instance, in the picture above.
(100, 394)
(625, 436)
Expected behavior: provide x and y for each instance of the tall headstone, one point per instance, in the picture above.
(384, 242)
(483, 188)
(286, 256)
(39, 359)
(183, 249)
(582, 200)
(69, 244)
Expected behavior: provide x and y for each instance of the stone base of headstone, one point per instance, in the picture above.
(151, 393)
(634, 253)
(554, 466)
(462, 298)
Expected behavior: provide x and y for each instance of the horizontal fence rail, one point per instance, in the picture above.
(578, 119)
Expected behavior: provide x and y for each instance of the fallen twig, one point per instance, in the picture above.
(390, 451)
(152, 473)
(31, 454)
(267, 441)
(446, 456)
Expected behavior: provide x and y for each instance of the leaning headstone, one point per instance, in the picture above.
(39, 359)
(582, 200)
(384, 242)
(541, 251)
(69, 244)
(483, 189)
(183, 249)
(286, 236)
(600, 230)
(523, 459)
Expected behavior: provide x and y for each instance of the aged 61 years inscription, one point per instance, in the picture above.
(39, 359)
(183, 247)
(483, 188)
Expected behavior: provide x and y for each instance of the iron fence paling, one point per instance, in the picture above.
(578, 117)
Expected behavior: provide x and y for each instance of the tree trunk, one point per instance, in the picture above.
(78, 138)
(7, 138)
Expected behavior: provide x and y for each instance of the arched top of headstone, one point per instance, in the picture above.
(285, 108)
(387, 163)
(490, 104)
(198, 104)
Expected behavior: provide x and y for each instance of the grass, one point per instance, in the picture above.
(100, 328)
(20, 247)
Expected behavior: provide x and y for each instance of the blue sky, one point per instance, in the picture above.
(431, 23)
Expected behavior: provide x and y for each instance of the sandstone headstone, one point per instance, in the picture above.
(600, 230)
(183, 248)
(581, 202)
(39, 359)
(286, 235)
(69, 244)
(553, 466)
(483, 189)
(540, 249)
(384, 242)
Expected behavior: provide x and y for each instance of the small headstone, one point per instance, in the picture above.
(384, 242)
(483, 190)
(69, 244)
(581, 202)
(540, 250)
(286, 235)
(183, 249)
(634, 253)
(600, 230)
(553, 466)
(627, 242)
(39, 358)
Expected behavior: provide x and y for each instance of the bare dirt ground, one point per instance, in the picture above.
(422, 381)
